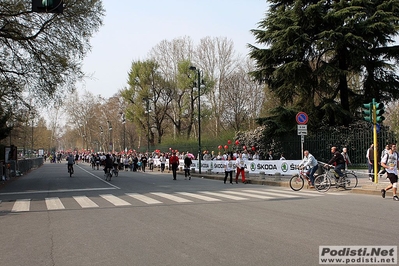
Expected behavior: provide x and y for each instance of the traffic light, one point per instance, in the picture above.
(368, 112)
(48, 6)
(379, 111)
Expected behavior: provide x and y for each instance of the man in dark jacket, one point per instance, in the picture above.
(187, 165)
(338, 161)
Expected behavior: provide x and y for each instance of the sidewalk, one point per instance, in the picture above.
(365, 185)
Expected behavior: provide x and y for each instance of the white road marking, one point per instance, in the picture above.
(21, 205)
(272, 193)
(247, 194)
(54, 204)
(55, 191)
(115, 200)
(201, 197)
(143, 198)
(223, 195)
(85, 202)
(171, 197)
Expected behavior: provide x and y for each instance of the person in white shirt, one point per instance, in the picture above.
(309, 160)
(390, 163)
(346, 157)
(240, 164)
(228, 169)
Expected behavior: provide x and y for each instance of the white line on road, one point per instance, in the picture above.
(201, 197)
(115, 200)
(143, 198)
(223, 195)
(247, 194)
(171, 197)
(54, 204)
(85, 202)
(272, 193)
(99, 178)
(55, 191)
(21, 205)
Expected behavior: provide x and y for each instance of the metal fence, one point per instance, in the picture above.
(356, 140)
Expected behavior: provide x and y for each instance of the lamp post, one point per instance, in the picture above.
(32, 116)
(147, 100)
(110, 137)
(124, 131)
(199, 114)
(101, 133)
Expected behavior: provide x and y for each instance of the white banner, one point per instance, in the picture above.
(283, 167)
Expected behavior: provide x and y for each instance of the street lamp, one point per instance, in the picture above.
(32, 116)
(124, 131)
(110, 137)
(147, 100)
(199, 85)
(101, 133)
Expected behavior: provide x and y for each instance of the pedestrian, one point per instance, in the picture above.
(151, 163)
(390, 163)
(346, 157)
(187, 165)
(228, 169)
(282, 158)
(270, 155)
(309, 160)
(143, 162)
(240, 164)
(162, 159)
(385, 151)
(174, 162)
(370, 161)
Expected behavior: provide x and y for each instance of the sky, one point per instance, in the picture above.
(132, 27)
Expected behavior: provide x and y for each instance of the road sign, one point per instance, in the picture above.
(302, 118)
(302, 129)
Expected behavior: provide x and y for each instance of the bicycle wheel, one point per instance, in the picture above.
(116, 173)
(322, 183)
(350, 181)
(296, 182)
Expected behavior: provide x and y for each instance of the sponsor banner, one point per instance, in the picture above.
(283, 167)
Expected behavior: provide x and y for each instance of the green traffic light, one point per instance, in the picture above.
(379, 112)
(368, 112)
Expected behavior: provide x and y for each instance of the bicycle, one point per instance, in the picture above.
(70, 170)
(115, 171)
(330, 178)
(297, 181)
(108, 174)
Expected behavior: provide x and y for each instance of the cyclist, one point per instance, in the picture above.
(71, 161)
(309, 160)
(108, 164)
(338, 161)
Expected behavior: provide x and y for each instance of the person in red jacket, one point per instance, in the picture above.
(174, 162)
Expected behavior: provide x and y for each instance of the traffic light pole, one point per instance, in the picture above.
(375, 143)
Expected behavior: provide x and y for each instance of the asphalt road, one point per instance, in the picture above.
(48, 218)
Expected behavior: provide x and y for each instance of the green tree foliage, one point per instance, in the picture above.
(313, 53)
(41, 53)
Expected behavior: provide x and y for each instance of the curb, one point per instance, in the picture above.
(372, 189)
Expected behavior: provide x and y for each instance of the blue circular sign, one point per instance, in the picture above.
(301, 118)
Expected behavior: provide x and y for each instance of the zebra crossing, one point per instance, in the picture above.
(153, 198)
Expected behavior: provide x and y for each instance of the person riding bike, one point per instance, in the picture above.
(309, 160)
(338, 162)
(71, 162)
(108, 164)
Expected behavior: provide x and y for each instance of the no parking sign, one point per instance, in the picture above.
(302, 118)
